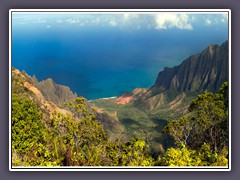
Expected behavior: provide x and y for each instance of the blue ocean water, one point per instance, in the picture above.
(105, 62)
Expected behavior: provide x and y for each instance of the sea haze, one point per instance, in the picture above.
(106, 61)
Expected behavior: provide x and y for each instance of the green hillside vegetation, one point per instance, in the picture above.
(62, 141)
(182, 120)
(144, 112)
(131, 122)
(200, 139)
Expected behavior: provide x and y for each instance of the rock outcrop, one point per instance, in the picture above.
(200, 72)
(56, 93)
(205, 71)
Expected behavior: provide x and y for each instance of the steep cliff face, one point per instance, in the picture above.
(205, 71)
(50, 97)
(25, 86)
(200, 72)
(56, 93)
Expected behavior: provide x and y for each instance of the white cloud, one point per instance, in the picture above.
(208, 21)
(96, 21)
(223, 20)
(30, 20)
(131, 20)
(113, 23)
(128, 16)
(172, 20)
(225, 14)
(224, 17)
(72, 21)
(21, 20)
(193, 19)
(38, 20)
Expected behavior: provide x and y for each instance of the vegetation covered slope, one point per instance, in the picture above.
(63, 141)
(51, 91)
(205, 71)
(146, 127)
(202, 137)
(145, 112)
(43, 134)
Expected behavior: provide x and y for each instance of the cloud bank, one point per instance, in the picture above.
(172, 20)
(127, 20)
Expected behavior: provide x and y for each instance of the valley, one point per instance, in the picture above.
(145, 112)
(142, 114)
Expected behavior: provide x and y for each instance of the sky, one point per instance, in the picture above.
(133, 47)
(160, 21)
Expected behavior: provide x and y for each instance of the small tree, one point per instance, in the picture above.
(205, 131)
(29, 134)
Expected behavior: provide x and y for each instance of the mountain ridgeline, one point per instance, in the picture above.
(182, 120)
(200, 72)
(52, 91)
(205, 71)
(146, 112)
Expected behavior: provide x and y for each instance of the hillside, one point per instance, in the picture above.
(53, 92)
(205, 71)
(44, 134)
(145, 112)
(28, 87)
(145, 127)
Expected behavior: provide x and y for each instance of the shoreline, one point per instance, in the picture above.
(103, 98)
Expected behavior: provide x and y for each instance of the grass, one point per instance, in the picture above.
(136, 123)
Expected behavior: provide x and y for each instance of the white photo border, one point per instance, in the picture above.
(117, 168)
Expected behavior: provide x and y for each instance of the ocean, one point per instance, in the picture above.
(105, 62)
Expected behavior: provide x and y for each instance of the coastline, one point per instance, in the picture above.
(103, 98)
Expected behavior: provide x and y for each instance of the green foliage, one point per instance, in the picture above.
(180, 157)
(29, 135)
(62, 141)
(133, 153)
(97, 151)
(210, 118)
(221, 158)
(208, 109)
(131, 122)
(179, 130)
(81, 109)
(136, 154)
(18, 84)
(79, 142)
(223, 91)
(83, 143)
(183, 156)
(201, 138)
(205, 131)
